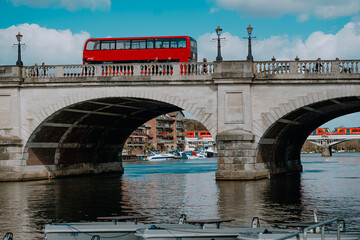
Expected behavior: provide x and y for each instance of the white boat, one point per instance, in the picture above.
(201, 154)
(154, 157)
(189, 155)
(305, 231)
(310, 236)
(193, 230)
(104, 229)
(195, 234)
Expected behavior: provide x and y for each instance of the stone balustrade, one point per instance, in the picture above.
(306, 67)
(112, 70)
(261, 70)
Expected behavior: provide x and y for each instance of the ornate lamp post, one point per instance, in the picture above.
(19, 62)
(249, 30)
(218, 32)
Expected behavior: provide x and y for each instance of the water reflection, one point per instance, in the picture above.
(28, 206)
(241, 200)
(169, 189)
(166, 190)
(273, 201)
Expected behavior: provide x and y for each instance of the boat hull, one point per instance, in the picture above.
(105, 230)
(310, 236)
(196, 234)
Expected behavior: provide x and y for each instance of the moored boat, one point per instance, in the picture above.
(305, 231)
(189, 155)
(202, 229)
(154, 157)
(114, 229)
(158, 233)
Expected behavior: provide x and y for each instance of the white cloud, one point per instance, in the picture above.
(324, 9)
(42, 45)
(71, 5)
(344, 45)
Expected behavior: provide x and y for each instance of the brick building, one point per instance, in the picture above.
(165, 133)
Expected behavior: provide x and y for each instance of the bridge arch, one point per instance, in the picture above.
(286, 127)
(195, 108)
(88, 130)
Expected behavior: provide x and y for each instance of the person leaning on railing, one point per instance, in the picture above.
(204, 65)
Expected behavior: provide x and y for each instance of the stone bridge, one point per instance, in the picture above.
(75, 119)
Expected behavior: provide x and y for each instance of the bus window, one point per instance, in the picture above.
(193, 49)
(138, 44)
(123, 44)
(173, 43)
(182, 43)
(150, 43)
(93, 45)
(158, 43)
(166, 43)
(193, 44)
(107, 45)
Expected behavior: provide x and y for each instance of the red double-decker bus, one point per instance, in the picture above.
(140, 49)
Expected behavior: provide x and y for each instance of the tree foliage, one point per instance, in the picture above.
(194, 125)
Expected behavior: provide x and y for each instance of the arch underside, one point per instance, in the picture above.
(92, 131)
(280, 146)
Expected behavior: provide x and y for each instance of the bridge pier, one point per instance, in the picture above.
(10, 158)
(13, 167)
(236, 157)
(326, 151)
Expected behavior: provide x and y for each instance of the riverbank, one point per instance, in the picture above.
(133, 158)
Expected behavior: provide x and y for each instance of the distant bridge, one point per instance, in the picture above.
(75, 119)
(327, 141)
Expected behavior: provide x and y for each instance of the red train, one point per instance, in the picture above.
(140, 49)
(346, 131)
(321, 131)
(337, 131)
(196, 134)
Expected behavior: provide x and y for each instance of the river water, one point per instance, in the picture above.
(164, 190)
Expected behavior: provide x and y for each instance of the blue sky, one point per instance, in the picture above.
(285, 28)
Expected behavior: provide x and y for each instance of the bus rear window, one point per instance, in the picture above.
(193, 44)
(93, 45)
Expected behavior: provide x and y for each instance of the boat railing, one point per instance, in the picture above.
(116, 219)
(321, 224)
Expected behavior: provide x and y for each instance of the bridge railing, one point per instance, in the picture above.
(182, 70)
(321, 67)
(112, 70)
